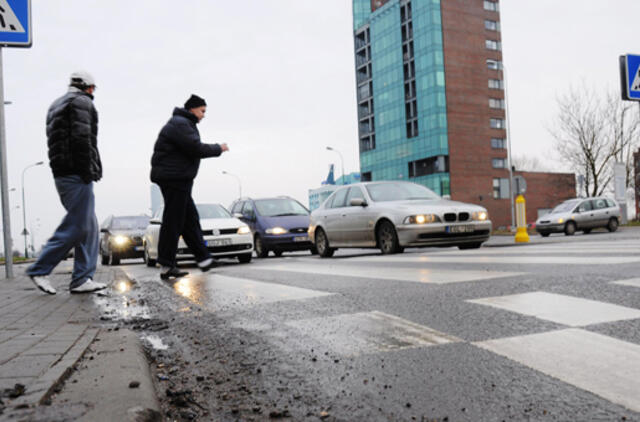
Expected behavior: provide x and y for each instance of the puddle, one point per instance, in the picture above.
(117, 303)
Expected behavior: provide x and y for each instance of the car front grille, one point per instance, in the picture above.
(451, 217)
(222, 231)
(298, 230)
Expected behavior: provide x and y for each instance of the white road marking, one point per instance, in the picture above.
(602, 365)
(633, 282)
(420, 275)
(522, 259)
(567, 310)
(369, 332)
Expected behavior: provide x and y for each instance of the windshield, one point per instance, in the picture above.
(212, 211)
(279, 207)
(399, 191)
(566, 206)
(130, 223)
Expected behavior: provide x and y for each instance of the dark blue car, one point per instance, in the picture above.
(278, 224)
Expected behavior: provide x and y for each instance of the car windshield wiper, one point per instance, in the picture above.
(286, 214)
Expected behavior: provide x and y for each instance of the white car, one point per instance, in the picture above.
(225, 236)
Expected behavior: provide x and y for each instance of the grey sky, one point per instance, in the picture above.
(279, 80)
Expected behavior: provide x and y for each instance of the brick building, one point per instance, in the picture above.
(431, 105)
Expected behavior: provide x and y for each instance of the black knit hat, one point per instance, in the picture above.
(194, 102)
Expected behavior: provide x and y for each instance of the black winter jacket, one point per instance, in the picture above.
(178, 150)
(72, 136)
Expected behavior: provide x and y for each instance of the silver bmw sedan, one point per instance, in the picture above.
(395, 215)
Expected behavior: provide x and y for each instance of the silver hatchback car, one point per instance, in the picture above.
(580, 214)
(395, 215)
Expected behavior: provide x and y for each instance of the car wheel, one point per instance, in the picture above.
(258, 246)
(475, 245)
(612, 225)
(544, 234)
(277, 253)
(150, 262)
(105, 259)
(387, 238)
(586, 231)
(314, 251)
(322, 244)
(113, 259)
(244, 258)
(570, 228)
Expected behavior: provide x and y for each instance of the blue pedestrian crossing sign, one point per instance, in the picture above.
(630, 77)
(15, 23)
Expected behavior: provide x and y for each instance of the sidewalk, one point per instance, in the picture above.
(43, 337)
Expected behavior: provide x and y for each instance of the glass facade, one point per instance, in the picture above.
(401, 92)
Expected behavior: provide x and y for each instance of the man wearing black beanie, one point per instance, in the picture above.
(174, 165)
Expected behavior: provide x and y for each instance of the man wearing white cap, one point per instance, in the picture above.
(72, 129)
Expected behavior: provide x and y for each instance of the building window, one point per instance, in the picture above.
(494, 64)
(496, 103)
(431, 165)
(498, 143)
(491, 25)
(365, 176)
(499, 163)
(497, 123)
(367, 143)
(496, 84)
(491, 6)
(408, 59)
(501, 188)
(493, 45)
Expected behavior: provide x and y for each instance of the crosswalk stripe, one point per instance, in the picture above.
(419, 275)
(633, 282)
(607, 367)
(522, 259)
(369, 332)
(562, 309)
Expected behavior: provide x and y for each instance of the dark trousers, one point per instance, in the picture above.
(180, 218)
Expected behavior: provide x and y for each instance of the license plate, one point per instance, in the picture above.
(301, 239)
(468, 228)
(218, 242)
(139, 248)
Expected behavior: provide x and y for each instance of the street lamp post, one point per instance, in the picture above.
(341, 163)
(237, 178)
(24, 210)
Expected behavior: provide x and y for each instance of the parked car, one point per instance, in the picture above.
(225, 236)
(122, 238)
(580, 214)
(278, 224)
(395, 215)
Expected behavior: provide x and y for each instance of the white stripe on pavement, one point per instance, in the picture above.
(420, 275)
(602, 365)
(633, 282)
(523, 259)
(567, 310)
(369, 332)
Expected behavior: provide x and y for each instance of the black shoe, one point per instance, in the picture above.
(173, 273)
(206, 268)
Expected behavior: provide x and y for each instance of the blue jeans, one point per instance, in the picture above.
(78, 229)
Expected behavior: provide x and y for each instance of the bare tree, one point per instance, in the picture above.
(529, 163)
(592, 133)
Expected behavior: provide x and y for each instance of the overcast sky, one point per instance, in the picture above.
(278, 77)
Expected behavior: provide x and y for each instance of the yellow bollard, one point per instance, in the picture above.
(521, 221)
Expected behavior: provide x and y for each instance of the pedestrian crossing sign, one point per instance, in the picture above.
(630, 77)
(15, 23)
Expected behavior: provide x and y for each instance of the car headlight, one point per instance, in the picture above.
(244, 230)
(480, 216)
(120, 240)
(421, 219)
(276, 230)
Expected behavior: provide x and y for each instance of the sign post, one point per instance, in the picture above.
(15, 31)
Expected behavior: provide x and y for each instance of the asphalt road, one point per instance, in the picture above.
(546, 331)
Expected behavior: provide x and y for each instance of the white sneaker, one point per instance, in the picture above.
(88, 286)
(43, 283)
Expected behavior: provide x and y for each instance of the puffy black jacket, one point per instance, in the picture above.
(72, 136)
(178, 150)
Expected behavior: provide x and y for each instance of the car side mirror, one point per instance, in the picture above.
(358, 202)
(238, 215)
(158, 222)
